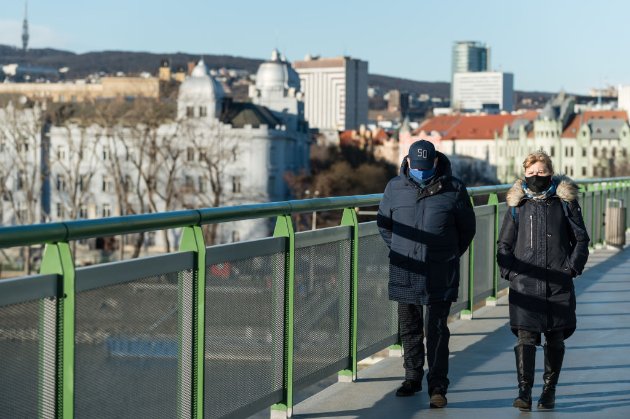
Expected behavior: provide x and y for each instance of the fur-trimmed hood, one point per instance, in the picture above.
(566, 189)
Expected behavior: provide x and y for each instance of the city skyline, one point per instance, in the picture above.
(541, 44)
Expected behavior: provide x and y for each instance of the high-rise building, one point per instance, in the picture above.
(470, 56)
(488, 91)
(335, 92)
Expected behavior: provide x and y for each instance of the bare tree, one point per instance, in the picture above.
(20, 171)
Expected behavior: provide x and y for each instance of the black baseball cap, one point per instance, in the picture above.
(422, 155)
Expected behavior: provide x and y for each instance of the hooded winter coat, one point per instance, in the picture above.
(542, 246)
(427, 229)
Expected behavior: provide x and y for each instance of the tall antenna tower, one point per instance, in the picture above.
(25, 28)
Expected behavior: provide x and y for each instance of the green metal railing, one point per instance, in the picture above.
(278, 275)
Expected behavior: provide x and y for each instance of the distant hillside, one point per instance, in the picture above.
(113, 61)
(135, 62)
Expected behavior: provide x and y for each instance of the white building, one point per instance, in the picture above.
(335, 92)
(489, 90)
(623, 98)
(215, 152)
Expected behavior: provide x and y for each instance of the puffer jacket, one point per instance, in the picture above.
(541, 255)
(427, 230)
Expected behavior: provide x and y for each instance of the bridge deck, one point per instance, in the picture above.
(595, 381)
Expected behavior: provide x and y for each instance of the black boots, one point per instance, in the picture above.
(554, 355)
(525, 364)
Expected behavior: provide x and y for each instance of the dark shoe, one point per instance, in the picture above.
(438, 399)
(525, 365)
(547, 399)
(409, 388)
(554, 355)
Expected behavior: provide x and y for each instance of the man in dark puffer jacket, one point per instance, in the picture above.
(427, 221)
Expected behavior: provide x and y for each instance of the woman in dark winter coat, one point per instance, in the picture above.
(542, 246)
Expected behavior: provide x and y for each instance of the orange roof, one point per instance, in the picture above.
(580, 119)
(473, 127)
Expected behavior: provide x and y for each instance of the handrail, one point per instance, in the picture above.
(26, 235)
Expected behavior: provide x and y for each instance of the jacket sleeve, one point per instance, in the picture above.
(384, 216)
(465, 220)
(579, 255)
(506, 244)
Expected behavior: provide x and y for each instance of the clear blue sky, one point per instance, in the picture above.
(548, 45)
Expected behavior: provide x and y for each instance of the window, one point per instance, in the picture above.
(84, 183)
(106, 186)
(624, 152)
(583, 151)
(61, 153)
(571, 151)
(566, 152)
(583, 170)
(190, 111)
(202, 184)
(604, 152)
(613, 152)
(190, 154)
(61, 183)
(83, 211)
(235, 236)
(150, 241)
(106, 211)
(19, 182)
(127, 183)
(188, 182)
(60, 210)
(236, 184)
(594, 151)
(105, 154)
(553, 151)
(202, 155)
(203, 111)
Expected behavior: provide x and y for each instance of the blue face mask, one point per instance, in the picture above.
(422, 175)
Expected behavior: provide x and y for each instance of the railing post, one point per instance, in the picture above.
(468, 313)
(284, 228)
(57, 259)
(349, 218)
(493, 199)
(192, 241)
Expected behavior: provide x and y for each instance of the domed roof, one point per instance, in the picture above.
(200, 87)
(277, 73)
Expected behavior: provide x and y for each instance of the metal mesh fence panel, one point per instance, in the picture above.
(27, 359)
(244, 349)
(322, 309)
(462, 296)
(503, 208)
(127, 348)
(597, 235)
(377, 316)
(587, 212)
(484, 249)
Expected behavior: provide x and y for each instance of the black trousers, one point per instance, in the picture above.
(413, 324)
(525, 337)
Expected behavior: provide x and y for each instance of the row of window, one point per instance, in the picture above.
(107, 185)
(569, 152)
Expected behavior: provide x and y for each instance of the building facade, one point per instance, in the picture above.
(213, 152)
(335, 92)
(491, 91)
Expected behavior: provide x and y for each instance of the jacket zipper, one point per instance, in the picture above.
(531, 231)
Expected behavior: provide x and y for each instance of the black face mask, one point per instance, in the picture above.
(537, 183)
